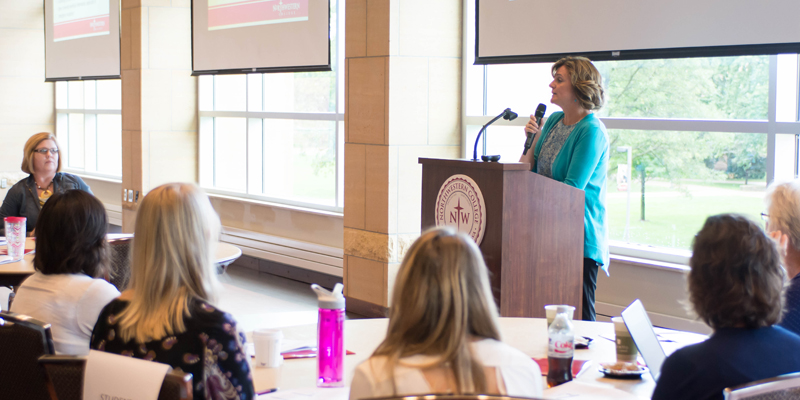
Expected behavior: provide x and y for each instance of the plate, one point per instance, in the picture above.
(623, 370)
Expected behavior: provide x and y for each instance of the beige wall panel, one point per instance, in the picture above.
(378, 33)
(131, 4)
(170, 30)
(26, 100)
(173, 157)
(156, 3)
(131, 100)
(408, 101)
(128, 220)
(367, 100)
(409, 189)
(156, 89)
(355, 185)
(18, 14)
(444, 94)
(367, 280)
(182, 3)
(142, 32)
(344, 275)
(355, 28)
(391, 275)
(125, 46)
(661, 290)
(22, 53)
(313, 228)
(435, 32)
(107, 192)
(377, 189)
(128, 158)
(394, 174)
(184, 101)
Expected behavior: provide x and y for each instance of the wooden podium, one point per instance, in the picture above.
(533, 241)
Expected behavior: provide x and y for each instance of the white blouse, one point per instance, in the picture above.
(71, 304)
(519, 374)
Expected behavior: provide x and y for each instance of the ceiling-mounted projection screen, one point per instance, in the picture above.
(81, 39)
(236, 36)
(511, 31)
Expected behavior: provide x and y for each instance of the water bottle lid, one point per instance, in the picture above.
(329, 300)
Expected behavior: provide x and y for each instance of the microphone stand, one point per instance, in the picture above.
(506, 114)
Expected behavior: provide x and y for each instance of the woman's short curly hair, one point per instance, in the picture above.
(736, 278)
(587, 83)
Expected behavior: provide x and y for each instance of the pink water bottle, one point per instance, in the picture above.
(330, 336)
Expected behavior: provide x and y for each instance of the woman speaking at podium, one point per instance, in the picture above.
(573, 149)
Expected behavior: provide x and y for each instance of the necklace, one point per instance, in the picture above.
(44, 188)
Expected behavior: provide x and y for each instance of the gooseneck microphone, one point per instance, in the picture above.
(538, 115)
(506, 114)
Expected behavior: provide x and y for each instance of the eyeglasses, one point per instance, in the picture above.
(765, 217)
(44, 151)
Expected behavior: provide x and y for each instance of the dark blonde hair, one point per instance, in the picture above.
(441, 299)
(783, 206)
(736, 278)
(587, 83)
(30, 146)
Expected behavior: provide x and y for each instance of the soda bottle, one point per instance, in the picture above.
(560, 350)
(330, 337)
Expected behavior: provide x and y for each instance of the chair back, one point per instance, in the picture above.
(778, 388)
(65, 379)
(454, 397)
(120, 262)
(22, 341)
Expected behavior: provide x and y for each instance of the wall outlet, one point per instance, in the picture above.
(136, 197)
(3, 183)
(124, 194)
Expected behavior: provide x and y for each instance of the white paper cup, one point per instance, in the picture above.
(267, 344)
(626, 348)
(551, 311)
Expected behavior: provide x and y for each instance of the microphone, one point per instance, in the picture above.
(507, 114)
(539, 114)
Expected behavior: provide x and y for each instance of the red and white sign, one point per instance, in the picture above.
(75, 19)
(460, 204)
(226, 14)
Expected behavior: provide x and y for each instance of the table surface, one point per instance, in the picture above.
(529, 335)
(225, 254)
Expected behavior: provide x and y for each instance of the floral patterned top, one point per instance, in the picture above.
(211, 349)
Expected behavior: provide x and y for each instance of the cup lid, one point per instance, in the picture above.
(14, 219)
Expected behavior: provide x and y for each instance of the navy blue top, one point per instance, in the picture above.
(791, 317)
(730, 357)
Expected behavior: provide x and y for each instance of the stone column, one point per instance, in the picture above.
(159, 105)
(403, 101)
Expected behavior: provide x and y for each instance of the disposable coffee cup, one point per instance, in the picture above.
(15, 236)
(626, 348)
(267, 344)
(552, 310)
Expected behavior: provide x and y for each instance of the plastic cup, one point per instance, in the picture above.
(552, 310)
(15, 236)
(626, 348)
(267, 344)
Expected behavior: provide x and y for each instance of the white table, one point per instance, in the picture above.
(529, 335)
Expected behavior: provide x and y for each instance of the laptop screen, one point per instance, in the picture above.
(641, 330)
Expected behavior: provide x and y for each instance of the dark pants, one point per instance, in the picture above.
(589, 286)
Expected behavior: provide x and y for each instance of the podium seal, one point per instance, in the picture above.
(460, 204)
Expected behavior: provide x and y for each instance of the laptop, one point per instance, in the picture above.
(641, 330)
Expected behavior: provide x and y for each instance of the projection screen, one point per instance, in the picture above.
(81, 39)
(534, 30)
(236, 36)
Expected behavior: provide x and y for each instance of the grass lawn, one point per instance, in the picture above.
(674, 217)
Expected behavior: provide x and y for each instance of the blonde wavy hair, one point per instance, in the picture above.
(783, 206)
(30, 146)
(442, 300)
(587, 83)
(175, 238)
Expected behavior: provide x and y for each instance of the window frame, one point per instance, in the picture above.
(770, 127)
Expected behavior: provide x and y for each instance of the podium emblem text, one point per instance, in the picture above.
(460, 204)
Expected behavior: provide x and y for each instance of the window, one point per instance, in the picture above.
(89, 127)
(277, 137)
(704, 136)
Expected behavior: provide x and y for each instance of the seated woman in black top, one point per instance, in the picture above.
(167, 314)
(735, 287)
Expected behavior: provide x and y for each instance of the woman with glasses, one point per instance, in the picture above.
(41, 160)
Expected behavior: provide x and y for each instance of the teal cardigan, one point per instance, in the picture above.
(583, 163)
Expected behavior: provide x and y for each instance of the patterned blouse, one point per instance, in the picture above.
(210, 349)
(551, 147)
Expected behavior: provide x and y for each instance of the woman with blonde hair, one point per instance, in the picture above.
(783, 224)
(573, 149)
(167, 314)
(443, 332)
(41, 160)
